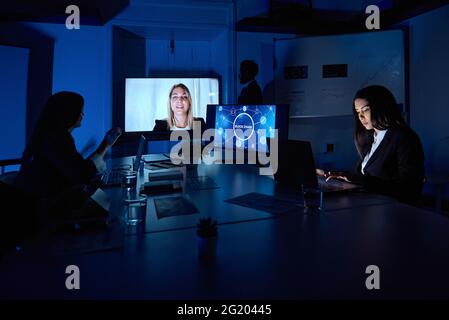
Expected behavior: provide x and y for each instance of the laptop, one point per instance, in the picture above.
(296, 167)
(113, 177)
(160, 150)
(137, 159)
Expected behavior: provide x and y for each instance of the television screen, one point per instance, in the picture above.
(244, 126)
(147, 99)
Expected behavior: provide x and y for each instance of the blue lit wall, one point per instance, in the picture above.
(81, 64)
(26, 83)
(429, 70)
(13, 93)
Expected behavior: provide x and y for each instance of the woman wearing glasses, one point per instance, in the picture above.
(180, 113)
(391, 155)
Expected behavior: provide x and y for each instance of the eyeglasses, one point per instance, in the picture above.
(180, 98)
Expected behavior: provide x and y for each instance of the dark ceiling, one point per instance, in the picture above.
(285, 17)
(92, 12)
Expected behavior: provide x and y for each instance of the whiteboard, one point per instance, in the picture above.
(371, 58)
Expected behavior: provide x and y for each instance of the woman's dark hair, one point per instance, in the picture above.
(385, 114)
(60, 113)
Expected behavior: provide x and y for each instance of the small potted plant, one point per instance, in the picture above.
(207, 238)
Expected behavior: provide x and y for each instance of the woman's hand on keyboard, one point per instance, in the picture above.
(332, 175)
(336, 175)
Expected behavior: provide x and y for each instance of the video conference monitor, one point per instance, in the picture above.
(247, 127)
(147, 99)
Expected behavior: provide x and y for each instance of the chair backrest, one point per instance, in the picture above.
(8, 178)
(19, 221)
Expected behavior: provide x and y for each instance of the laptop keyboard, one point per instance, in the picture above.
(334, 185)
(113, 178)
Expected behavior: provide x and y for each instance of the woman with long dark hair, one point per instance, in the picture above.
(51, 165)
(391, 154)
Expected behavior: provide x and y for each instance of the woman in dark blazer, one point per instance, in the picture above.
(391, 155)
(179, 110)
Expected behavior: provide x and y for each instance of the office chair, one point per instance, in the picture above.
(438, 177)
(18, 221)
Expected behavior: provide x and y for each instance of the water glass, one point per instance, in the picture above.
(135, 210)
(129, 179)
(312, 197)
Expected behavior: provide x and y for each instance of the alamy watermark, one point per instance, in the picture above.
(373, 280)
(372, 22)
(72, 21)
(73, 280)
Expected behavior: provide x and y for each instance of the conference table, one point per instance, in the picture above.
(290, 254)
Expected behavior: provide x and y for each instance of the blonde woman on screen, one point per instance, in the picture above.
(179, 110)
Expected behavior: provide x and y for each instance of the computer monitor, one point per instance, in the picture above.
(247, 127)
(146, 99)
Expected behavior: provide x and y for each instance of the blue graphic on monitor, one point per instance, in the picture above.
(240, 125)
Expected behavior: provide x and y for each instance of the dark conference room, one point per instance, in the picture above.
(224, 150)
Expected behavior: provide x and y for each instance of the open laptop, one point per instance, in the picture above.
(137, 159)
(113, 177)
(296, 167)
(160, 151)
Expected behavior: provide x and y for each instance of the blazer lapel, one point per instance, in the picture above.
(380, 149)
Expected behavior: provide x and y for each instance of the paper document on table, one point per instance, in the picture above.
(174, 206)
(263, 202)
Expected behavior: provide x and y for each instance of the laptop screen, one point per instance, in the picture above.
(244, 126)
(296, 164)
(248, 127)
(136, 162)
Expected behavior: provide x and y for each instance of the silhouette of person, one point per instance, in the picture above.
(52, 169)
(251, 92)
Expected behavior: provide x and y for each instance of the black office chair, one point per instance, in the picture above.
(17, 220)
